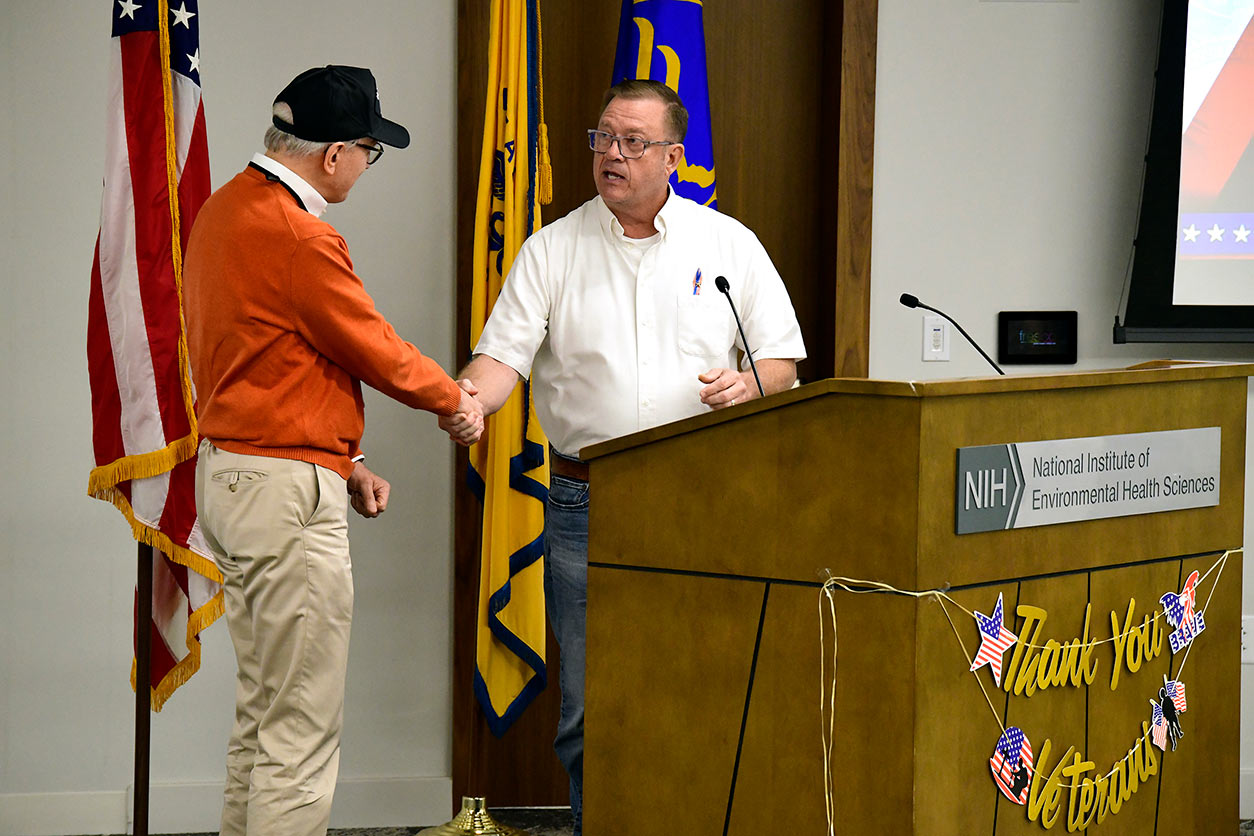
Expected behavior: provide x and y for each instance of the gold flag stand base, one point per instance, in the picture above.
(473, 820)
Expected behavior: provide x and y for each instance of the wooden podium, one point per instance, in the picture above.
(710, 539)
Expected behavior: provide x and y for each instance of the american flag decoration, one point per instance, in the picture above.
(1158, 727)
(1175, 692)
(1012, 765)
(995, 639)
(143, 406)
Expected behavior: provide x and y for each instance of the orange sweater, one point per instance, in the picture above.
(281, 332)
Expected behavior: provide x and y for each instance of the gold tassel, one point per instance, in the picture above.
(544, 167)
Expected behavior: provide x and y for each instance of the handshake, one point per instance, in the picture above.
(466, 424)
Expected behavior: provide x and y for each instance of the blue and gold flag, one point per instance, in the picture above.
(509, 472)
(664, 40)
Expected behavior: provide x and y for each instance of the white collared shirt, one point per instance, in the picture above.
(614, 331)
(314, 202)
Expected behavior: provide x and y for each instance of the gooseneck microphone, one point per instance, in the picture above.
(913, 302)
(724, 288)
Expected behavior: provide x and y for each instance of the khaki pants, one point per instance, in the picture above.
(279, 532)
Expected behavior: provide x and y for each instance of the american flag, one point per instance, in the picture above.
(1013, 753)
(143, 405)
(1158, 724)
(1175, 691)
(994, 640)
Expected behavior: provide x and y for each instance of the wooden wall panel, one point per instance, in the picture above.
(1055, 712)
(1109, 741)
(951, 776)
(773, 140)
(776, 94)
(782, 757)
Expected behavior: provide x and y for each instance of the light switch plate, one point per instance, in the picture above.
(935, 339)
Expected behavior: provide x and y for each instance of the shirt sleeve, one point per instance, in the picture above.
(519, 320)
(335, 314)
(765, 309)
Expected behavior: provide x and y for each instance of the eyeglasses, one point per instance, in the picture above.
(631, 147)
(373, 152)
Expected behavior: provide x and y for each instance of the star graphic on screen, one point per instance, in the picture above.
(195, 61)
(1215, 233)
(1243, 234)
(128, 9)
(1191, 232)
(182, 15)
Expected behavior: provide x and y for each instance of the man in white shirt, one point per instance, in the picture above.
(613, 313)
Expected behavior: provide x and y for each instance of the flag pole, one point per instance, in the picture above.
(143, 687)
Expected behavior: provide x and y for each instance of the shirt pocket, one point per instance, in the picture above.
(705, 326)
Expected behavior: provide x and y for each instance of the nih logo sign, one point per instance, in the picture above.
(1020, 485)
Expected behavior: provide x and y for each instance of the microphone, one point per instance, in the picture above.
(725, 289)
(911, 301)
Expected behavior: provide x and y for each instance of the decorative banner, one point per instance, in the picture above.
(1036, 665)
(1012, 764)
(1091, 799)
(1181, 615)
(1032, 782)
(1003, 486)
(994, 639)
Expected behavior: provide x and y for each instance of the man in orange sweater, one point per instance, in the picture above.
(281, 335)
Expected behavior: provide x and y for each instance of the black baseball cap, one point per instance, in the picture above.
(334, 103)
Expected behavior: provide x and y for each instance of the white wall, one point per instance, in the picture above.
(67, 562)
(1008, 146)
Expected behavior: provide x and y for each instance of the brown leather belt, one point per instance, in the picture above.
(569, 468)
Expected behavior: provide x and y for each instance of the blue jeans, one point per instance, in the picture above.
(566, 590)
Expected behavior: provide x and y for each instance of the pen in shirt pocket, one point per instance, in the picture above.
(696, 283)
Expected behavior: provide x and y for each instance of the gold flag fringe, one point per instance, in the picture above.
(197, 621)
(189, 664)
(158, 539)
(176, 235)
(102, 480)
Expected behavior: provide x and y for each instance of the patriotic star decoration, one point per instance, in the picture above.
(194, 61)
(1216, 233)
(128, 9)
(182, 16)
(1191, 232)
(995, 639)
(1242, 234)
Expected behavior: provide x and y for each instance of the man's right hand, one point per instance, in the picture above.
(466, 424)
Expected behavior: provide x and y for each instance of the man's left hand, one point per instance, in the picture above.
(368, 492)
(725, 388)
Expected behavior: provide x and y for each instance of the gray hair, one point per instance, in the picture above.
(281, 141)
